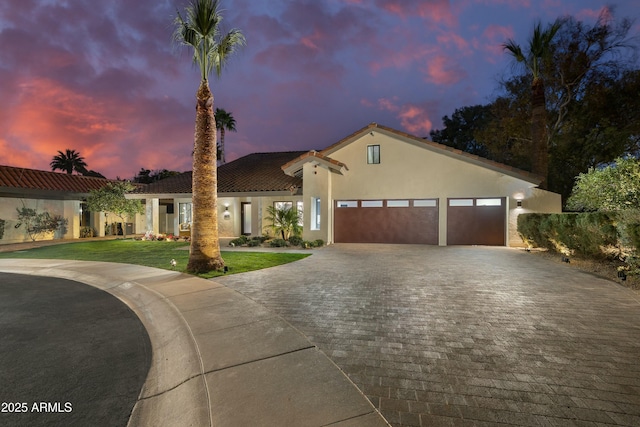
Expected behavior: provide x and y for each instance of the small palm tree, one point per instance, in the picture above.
(285, 221)
(224, 121)
(69, 161)
(533, 58)
(200, 31)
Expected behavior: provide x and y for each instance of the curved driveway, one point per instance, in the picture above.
(70, 354)
(465, 335)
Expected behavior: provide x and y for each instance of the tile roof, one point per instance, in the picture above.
(310, 156)
(252, 173)
(13, 179)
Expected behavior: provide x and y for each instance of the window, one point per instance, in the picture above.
(488, 202)
(426, 203)
(300, 209)
(347, 203)
(461, 202)
(371, 203)
(397, 203)
(185, 216)
(315, 213)
(373, 154)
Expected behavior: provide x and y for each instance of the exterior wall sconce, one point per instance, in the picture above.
(226, 214)
(622, 275)
(519, 204)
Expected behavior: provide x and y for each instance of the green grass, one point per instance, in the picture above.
(153, 254)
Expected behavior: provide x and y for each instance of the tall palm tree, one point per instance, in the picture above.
(539, 50)
(200, 30)
(69, 161)
(224, 121)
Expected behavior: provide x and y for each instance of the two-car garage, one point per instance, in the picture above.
(470, 221)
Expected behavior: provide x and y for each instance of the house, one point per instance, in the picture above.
(57, 194)
(377, 185)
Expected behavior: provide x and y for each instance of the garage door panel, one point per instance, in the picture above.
(476, 225)
(417, 225)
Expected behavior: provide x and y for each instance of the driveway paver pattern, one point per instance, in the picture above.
(470, 336)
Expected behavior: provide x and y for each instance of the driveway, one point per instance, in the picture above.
(70, 354)
(465, 335)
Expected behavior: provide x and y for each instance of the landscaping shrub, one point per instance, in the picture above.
(86, 232)
(319, 243)
(585, 234)
(278, 243)
(254, 242)
(295, 240)
(242, 240)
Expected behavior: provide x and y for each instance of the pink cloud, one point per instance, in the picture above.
(492, 40)
(437, 11)
(413, 118)
(444, 70)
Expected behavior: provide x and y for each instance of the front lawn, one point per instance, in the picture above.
(153, 254)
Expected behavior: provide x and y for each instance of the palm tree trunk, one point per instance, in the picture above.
(205, 247)
(222, 145)
(539, 138)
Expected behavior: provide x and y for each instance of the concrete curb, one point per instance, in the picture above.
(219, 358)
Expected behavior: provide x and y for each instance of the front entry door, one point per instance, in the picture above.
(246, 218)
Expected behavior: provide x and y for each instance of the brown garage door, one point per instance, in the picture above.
(386, 221)
(476, 221)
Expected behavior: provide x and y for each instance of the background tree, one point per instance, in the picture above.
(224, 121)
(69, 161)
(537, 54)
(613, 188)
(200, 30)
(459, 130)
(111, 199)
(147, 176)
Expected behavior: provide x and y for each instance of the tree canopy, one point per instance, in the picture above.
(613, 188)
(111, 199)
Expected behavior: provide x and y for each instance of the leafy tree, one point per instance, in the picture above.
(39, 223)
(111, 199)
(200, 30)
(459, 130)
(147, 176)
(284, 221)
(538, 53)
(69, 161)
(612, 188)
(93, 174)
(224, 121)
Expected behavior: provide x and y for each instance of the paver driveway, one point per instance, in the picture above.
(465, 335)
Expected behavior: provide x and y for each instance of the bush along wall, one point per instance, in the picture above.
(596, 235)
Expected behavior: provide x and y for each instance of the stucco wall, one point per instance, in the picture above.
(317, 184)
(68, 209)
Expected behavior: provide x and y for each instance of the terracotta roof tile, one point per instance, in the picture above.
(251, 173)
(13, 178)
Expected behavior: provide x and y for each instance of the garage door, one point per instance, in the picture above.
(386, 221)
(475, 221)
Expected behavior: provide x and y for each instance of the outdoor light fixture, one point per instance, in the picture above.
(519, 203)
(565, 259)
(226, 214)
(622, 275)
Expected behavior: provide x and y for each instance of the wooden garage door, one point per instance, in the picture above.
(476, 221)
(386, 221)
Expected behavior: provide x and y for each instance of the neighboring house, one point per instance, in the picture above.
(376, 185)
(56, 193)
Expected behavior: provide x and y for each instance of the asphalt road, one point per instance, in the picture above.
(70, 354)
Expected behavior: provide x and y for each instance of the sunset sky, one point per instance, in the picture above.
(103, 78)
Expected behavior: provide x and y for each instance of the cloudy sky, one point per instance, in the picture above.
(103, 78)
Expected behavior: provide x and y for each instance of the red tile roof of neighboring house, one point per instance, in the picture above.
(252, 173)
(14, 180)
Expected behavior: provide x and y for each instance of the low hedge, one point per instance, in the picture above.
(585, 234)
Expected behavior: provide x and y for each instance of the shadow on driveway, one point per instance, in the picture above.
(70, 354)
